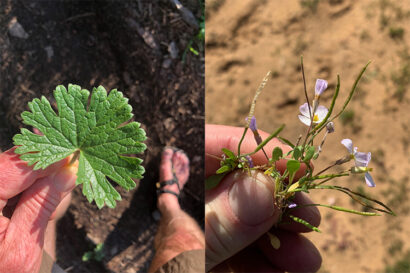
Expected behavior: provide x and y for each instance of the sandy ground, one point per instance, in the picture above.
(245, 39)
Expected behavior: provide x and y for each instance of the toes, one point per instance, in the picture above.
(166, 164)
(181, 166)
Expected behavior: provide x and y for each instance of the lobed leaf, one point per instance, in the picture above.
(95, 130)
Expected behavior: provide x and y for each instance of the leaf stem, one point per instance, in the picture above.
(75, 157)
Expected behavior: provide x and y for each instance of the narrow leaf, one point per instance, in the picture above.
(297, 152)
(310, 151)
(287, 142)
(332, 105)
(223, 169)
(229, 153)
(213, 180)
(352, 90)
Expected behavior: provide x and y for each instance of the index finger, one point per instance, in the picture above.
(221, 136)
(16, 176)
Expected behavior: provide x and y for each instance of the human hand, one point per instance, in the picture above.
(28, 200)
(240, 210)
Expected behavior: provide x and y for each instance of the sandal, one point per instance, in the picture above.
(160, 185)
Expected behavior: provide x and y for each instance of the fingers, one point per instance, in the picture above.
(36, 205)
(295, 254)
(237, 212)
(251, 259)
(16, 176)
(220, 136)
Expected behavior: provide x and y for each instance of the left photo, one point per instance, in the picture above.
(102, 136)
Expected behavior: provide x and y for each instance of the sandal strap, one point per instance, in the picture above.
(162, 184)
(161, 191)
(169, 182)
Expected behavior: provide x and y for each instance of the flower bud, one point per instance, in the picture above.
(320, 87)
(330, 127)
(250, 161)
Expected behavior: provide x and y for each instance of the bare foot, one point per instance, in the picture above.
(176, 162)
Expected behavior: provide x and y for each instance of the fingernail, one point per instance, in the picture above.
(65, 179)
(251, 198)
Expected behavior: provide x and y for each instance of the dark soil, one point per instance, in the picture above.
(123, 45)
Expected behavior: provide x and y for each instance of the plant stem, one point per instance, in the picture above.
(75, 157)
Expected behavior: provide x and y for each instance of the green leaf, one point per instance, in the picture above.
(223, 169)
(276, 154)
(99, 131)
(297, 152)
(229, 153)
(287, 141)
(293, 166)
(310, 151)
(214, 180)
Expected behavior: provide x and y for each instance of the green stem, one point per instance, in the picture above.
(352, 194)
(342, 209)
(75, 157)
(242, 138)
(263, 143)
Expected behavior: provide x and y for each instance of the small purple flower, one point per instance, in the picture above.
(250, 161)
(360, 159)
(318, 115)
(320, 87)
(254, 129)
(292, 205)
(252, 124)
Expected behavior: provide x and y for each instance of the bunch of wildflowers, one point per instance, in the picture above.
(317, 118)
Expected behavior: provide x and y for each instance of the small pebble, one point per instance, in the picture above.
(17, 30)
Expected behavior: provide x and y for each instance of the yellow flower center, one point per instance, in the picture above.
(315, 118)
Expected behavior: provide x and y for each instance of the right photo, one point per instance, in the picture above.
(307, 136)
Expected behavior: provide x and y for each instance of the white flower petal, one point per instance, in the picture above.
(304, 120)
(321, 112)
(304, 110)
(320, 86)
(362, 159)
(348, 143)
(369, 180)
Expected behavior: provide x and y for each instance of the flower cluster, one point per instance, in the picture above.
(317, 114)
(290, 180)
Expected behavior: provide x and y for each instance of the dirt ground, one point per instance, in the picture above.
(136, 47)
(245, 39)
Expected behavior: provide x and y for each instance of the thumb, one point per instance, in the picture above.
(36, 205)
(237, 213)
